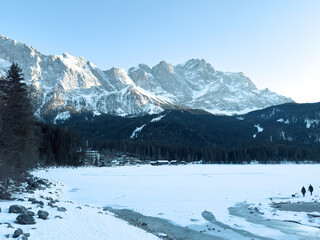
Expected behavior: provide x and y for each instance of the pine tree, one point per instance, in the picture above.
(18, 143)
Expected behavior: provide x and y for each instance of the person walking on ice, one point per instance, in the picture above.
(303, 191)
(310, 189)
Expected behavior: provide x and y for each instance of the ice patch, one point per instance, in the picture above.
(260, 129)
(311, 122)
(136, 131)
(96, 113)
(62, 116)
(281, 120)
(157, 118)
(283, 135)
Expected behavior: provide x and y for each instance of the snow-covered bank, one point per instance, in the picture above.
(182, 193)
(77, 222)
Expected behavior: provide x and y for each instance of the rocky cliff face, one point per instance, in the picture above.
(64, 84)
(196, 84)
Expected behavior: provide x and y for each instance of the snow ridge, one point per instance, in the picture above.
(66, 83)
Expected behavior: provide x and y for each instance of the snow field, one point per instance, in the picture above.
(181, 193)
(86, 223)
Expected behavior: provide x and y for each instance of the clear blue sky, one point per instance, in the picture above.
(274, 42)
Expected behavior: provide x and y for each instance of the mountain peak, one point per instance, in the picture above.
(196, 64)
(141, 67)
(163, 66)
(84, 87)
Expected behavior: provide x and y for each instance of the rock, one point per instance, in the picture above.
(61, 209)
(8, 225)
(30, 213)
(37, 202)
(34, 185)
(79, 207)
(49, 198)
(32, 199)
(20, 200)
(24, 238)
(24, 218)
(0, 209)
(43, 214)
(17, 233)
(51, 205)
(4, 194)
(58, 217)
(17, 209)
(7, 235)
(26, 235)
(42, 181)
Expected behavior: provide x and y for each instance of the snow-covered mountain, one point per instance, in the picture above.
(196, 84)
(64, 84)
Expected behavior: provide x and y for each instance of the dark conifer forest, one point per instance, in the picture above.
(193, 135)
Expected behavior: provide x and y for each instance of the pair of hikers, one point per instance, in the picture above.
(303, 190)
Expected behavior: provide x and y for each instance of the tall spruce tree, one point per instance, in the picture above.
(18, 145)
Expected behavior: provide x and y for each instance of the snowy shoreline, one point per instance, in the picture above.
(75, 222)
(172, 202)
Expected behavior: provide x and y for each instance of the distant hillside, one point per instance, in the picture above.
(284, 132)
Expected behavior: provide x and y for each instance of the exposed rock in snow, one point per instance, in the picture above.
(196, 84)
(62, 116)
(64, 83)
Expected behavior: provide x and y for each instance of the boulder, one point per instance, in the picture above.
(43, 214)
(43, 181)
(32, 199)
(51, 205)
(37, 202)
(24, 218)
(4, 195)
(61, 209)
(17, 209)
(30, 213)
(17, 233)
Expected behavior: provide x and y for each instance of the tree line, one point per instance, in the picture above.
(186, 136)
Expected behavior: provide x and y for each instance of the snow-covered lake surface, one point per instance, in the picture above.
(182, 193)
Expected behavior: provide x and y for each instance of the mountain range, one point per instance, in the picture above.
(64, 84)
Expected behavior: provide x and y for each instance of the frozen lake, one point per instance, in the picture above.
(182, 193)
